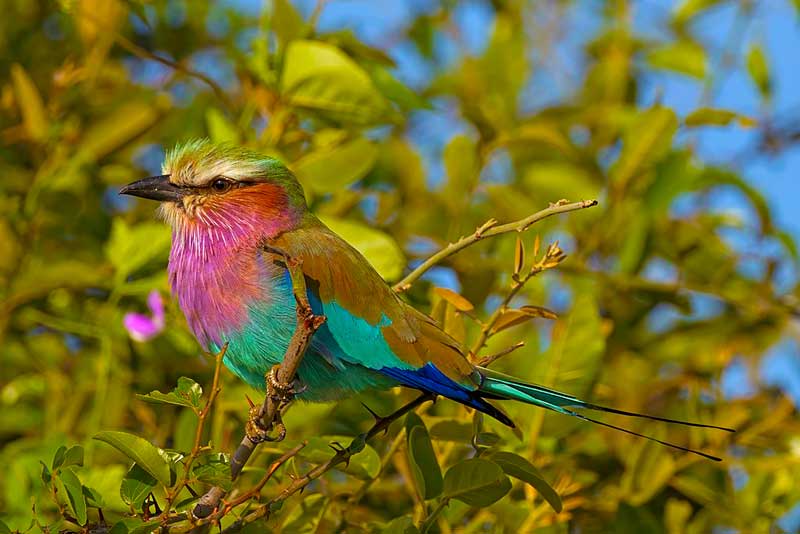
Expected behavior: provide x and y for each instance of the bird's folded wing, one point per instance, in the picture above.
(370, 323)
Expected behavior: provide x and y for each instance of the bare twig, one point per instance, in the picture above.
(137, 50)
(552, 257)
(489, 229)
(486, 361)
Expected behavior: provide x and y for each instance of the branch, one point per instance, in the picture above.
(137, 50)
(279, 386)
(197, 448)
(489, 229)
(342, 455)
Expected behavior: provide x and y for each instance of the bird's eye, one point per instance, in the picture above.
(220, 185)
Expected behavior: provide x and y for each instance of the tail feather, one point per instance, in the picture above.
(499, 386)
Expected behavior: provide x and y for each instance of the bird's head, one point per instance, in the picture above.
(208, 185)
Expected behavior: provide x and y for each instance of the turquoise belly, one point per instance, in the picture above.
(262, 343)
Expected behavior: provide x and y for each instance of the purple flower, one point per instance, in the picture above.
(143, 327)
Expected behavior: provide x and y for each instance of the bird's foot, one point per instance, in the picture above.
(284, 393)
(258, 432)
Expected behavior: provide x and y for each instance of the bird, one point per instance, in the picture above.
(229, 208)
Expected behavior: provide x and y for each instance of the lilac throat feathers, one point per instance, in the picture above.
(214, 267)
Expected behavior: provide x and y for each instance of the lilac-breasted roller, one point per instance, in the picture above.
(227, 205)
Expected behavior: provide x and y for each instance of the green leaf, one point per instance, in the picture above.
(422, 459)
(58, 457)
(93, 498)
(213, 469)
(548, 181)
(71, 490)
(130, 248)
(188, 393)
(34, 117)
(397, 91)
(141, 451)
(220, 129)
(716, 117)
(380, 249)
(518, 467)
(73, 456)
(462, 168)
(119, 127)
(685, 57)
(691, 8)
(305, 517)
(287, 22)
(46, 475)
(136, 486)
(4, 529)
(758, 68)
(320, 77)
(329, 170)
(645, 142)
(477, 482)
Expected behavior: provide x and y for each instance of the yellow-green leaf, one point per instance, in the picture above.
(685, 57)
(460, 303)
(379, 248)
(717, 117)
(329, 170)
(148, 456)
(34, 117)
(758, 68)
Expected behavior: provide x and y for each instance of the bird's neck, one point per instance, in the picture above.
(216, 271)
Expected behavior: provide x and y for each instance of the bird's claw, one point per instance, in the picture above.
(285, 393)
(257, 432)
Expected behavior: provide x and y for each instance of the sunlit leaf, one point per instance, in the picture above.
(645, 142)
(29, 100)
(188, 393)
(130, 248)
(330, 170)
(758, 68)
(319, 76)
(379, 248)
(220, 129)
(119, 127)
(716, 117)
(287, 22)
(141, 451)
(684, 57)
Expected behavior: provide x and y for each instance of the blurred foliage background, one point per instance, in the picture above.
(410, 124)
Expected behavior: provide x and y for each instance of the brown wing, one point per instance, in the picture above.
(339, 274)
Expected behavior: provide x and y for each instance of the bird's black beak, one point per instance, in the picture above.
(155, 188)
